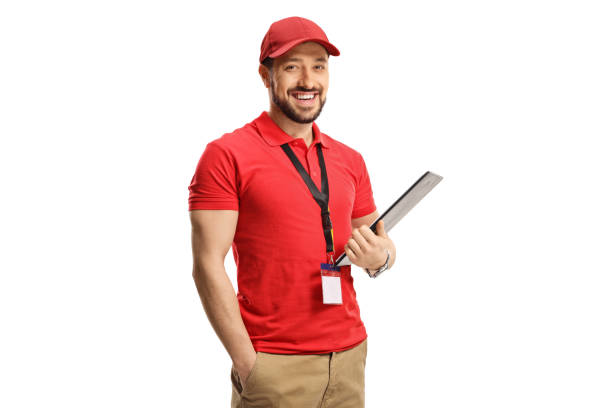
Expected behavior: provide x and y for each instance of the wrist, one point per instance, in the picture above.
(244, 358)
(378, 270)
(381, 262)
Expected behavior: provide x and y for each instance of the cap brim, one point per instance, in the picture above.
(328, 46)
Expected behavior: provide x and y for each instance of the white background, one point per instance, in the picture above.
(501, 293)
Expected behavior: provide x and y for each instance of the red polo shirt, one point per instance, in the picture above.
(279, 244)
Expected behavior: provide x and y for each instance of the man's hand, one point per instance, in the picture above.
(366, 249)
(244, 370)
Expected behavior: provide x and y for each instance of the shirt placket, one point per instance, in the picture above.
(309, 159)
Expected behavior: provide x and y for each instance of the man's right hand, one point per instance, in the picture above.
(244, 368)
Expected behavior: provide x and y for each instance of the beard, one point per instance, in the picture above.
(290, 112)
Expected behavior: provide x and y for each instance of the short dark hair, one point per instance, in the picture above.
(268, 63)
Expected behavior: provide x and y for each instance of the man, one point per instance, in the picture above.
(289, 199)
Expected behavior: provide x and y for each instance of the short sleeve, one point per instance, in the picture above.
(214, 185)
(364, 198)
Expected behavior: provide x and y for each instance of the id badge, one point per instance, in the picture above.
(332, 286)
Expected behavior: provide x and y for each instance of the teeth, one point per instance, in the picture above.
(305, 96)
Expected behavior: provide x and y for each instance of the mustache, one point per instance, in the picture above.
(302, 89)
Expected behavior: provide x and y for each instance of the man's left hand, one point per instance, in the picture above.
(366, 249)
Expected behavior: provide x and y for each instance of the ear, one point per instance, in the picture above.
(265, 75)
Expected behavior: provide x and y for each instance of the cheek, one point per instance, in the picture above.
(282, 90)
(323, 86)
(282, 84)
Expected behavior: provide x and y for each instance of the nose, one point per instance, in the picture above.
(306, 79)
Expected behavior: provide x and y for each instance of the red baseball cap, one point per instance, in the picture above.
(289, 32)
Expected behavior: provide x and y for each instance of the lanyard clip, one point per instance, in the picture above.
(330, 258)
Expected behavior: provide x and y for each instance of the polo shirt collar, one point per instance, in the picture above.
(275, 136)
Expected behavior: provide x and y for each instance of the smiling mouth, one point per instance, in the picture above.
(305, 98)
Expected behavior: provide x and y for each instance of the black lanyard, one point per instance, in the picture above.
(321, 197)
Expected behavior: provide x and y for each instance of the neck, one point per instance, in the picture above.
(294, 129)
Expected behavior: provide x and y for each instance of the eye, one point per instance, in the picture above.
(320, 67)
(290, 67)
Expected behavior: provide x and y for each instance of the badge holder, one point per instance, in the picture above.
(332, 284)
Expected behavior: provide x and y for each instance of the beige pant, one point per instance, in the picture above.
(332, 380)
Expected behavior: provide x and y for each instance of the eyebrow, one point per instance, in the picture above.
(320, 59)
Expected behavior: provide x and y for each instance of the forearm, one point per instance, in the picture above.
(221, 306)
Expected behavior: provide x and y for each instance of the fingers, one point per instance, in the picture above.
(349, 252)
(366, 233)
(354, 247)
(364, 242)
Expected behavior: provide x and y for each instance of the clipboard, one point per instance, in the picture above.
(401, 206)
